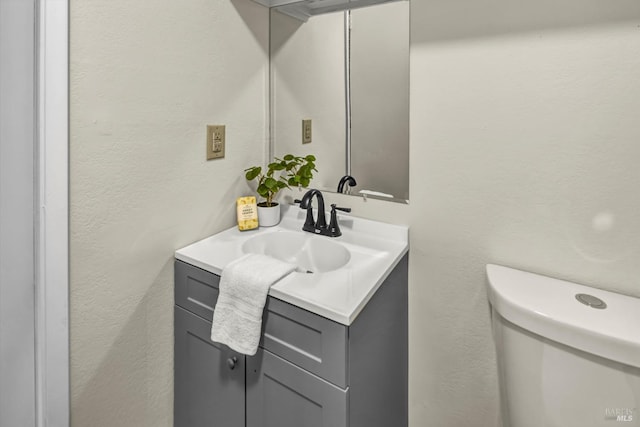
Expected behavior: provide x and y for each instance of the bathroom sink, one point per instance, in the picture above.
(312, 254)
(335, 277)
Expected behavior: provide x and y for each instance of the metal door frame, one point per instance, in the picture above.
(46, 62)
(52, 244)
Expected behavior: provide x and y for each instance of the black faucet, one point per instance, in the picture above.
(344, 180)
(319, 226)
(311, 225)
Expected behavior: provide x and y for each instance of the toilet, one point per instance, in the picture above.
(568, 355)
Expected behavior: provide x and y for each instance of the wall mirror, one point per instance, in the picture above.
(349, 73)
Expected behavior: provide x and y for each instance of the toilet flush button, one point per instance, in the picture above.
(591, 301)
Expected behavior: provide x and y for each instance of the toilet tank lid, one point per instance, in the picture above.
(548, 307)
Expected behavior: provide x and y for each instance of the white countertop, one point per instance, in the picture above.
(340, 295)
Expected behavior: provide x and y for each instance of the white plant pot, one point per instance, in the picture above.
(268, 216)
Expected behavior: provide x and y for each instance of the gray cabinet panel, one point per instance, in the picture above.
(207, 392)
(378, 359)
(299, 336)
(281, 394)
(312, 342)
(196, 290)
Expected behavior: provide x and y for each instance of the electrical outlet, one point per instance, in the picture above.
(215, 141)
(306, 131)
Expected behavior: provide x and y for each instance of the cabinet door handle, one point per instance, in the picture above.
(232, 362)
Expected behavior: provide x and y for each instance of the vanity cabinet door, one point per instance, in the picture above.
(209, 377)
(280, 394)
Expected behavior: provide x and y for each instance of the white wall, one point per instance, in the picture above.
(146, 77)
(17, 208)
(524, 152)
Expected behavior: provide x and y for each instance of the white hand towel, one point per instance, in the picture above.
(244, 285)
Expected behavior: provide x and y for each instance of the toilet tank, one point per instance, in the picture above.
(568, 354)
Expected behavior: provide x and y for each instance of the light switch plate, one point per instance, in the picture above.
(306, 131)
(215, 141)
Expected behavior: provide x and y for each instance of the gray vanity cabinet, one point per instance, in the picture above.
(209, 377)
(281, 394)
(308, 372)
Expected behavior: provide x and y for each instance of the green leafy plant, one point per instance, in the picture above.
(286, 172)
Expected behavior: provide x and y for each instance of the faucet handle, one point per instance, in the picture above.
(334, 227)
(334, 207)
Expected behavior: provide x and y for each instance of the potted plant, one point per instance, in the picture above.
(286, 172)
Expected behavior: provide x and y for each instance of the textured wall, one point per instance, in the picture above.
(146, 77)
(524, 152)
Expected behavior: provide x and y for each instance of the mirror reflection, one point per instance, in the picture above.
(348, 72)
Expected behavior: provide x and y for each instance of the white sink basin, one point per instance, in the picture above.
(312, 254)
(347, 270)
